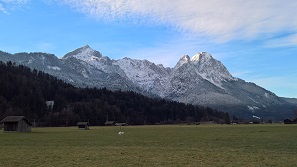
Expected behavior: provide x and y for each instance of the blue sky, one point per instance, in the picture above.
(255, 40)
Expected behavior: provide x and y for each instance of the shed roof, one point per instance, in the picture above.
(121, 124)
(15, 119)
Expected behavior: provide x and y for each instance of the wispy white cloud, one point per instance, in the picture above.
(6, 5)
(2, 9)
(223, 20)
(19, 2)
(290, 40)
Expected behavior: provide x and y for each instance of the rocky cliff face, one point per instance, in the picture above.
(200, 80)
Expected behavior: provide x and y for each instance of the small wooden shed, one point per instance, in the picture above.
(83, 125)
(16, 124)
(288, 121)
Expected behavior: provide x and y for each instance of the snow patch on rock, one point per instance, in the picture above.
(54, 68)
(253, 108)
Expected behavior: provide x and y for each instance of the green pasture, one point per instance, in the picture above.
(202, 145)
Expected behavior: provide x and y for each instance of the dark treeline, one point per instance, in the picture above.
(24, 92)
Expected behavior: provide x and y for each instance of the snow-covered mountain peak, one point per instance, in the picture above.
(85, 47)
(185, 57)
(211, 69)
(84, 53)
(182, 60)
(203, 65)
(201, 57)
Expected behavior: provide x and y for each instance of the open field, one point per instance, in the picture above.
(202, 145)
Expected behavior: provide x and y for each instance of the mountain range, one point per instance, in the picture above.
(200, 80)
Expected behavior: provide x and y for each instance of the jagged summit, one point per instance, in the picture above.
(183, 60)
(201, 57)
(85, 47)
(206, 66)
(85, 53)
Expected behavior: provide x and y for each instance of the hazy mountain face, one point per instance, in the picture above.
(199, 80)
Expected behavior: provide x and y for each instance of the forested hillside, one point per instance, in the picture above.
(24, 92)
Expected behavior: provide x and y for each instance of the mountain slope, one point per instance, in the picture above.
(82, 67)
(24, 91)
(200, 80)
(150, 77)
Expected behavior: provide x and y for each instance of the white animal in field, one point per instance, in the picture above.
(121, 133)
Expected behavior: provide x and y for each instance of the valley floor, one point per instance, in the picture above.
(201, 145)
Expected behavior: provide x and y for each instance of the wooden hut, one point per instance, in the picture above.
(83, 125)
(288, 121)
(16, 124)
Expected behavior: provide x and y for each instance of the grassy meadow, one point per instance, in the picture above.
(202, 145)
